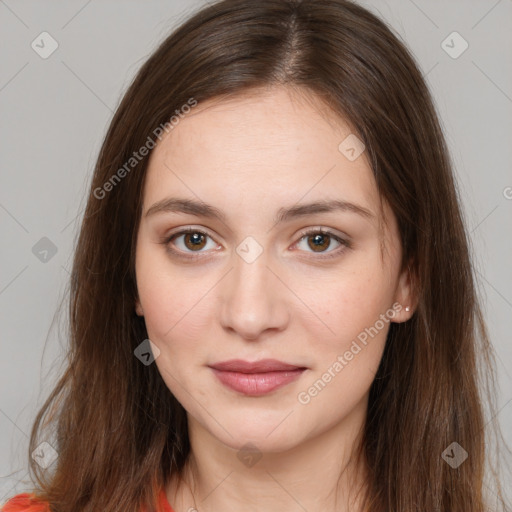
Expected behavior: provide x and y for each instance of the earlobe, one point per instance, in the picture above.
(406, 296)
(138, 308)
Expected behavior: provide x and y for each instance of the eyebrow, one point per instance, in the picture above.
(202, 209)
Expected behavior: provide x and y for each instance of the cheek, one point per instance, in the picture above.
(348, 305)
(357, 310)
(174, 301)
(175, 319)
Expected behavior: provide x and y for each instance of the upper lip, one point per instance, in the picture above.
(262, 366)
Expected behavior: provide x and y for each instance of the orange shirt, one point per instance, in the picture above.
(28, 503)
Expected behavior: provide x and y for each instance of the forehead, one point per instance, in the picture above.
(285, 141)
(275, 117)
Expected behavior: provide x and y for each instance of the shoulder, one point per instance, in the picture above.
(25, 503)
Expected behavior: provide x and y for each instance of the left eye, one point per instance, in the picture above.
(319, 240)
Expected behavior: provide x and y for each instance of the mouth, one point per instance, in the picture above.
(256, 378)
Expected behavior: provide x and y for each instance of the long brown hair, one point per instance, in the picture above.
(118, 430)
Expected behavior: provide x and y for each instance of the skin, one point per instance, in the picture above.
(249, 156)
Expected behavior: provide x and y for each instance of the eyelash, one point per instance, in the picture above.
(345, 244)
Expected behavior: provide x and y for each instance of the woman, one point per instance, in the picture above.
(272, 300)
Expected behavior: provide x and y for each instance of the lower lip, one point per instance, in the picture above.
(256, 384)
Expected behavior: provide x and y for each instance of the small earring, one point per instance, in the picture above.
(407, 308)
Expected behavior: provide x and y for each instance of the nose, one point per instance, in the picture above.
(253, 299)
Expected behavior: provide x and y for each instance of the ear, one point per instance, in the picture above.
(405, 296)
(138, 308)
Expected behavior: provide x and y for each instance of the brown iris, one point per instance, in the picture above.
(197, 241)
(320, 242)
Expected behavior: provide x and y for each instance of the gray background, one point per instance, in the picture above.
(55, 112)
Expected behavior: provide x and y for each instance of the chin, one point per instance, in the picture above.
(271, 435)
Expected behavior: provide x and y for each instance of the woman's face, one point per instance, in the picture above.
(262, 282)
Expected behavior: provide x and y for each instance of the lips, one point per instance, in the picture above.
(263, 366)
(256, 378)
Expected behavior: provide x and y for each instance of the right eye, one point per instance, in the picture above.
(190, 240)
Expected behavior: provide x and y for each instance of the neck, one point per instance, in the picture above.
(323, 473)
